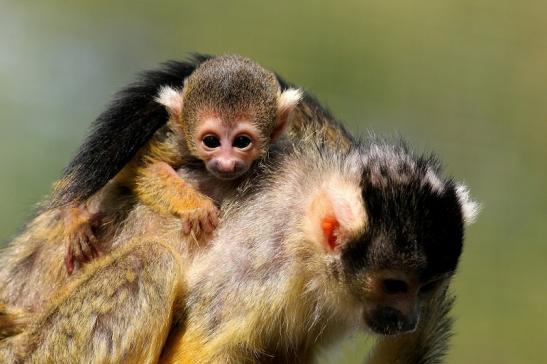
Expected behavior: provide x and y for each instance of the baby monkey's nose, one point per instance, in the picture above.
(226, 165)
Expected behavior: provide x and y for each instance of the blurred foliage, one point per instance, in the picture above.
(466, 79)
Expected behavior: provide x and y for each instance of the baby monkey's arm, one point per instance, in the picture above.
(161, 188)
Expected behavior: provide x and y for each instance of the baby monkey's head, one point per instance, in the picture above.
(230, 110)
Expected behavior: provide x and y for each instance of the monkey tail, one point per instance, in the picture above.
(120, 131)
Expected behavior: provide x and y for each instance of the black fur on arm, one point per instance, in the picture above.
(119, 132)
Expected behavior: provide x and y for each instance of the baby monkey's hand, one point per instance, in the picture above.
(202, 219)
(81, 242)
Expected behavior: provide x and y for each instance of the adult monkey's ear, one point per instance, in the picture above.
(335, 215)
(286, 103)
(172, 100)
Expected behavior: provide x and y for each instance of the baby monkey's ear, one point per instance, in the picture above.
(286, 103)
(335, 215)
(172, 100)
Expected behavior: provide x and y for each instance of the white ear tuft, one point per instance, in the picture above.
(171, 99)
(470, 208)
(288, 100)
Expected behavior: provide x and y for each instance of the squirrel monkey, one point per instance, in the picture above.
(318, 243)
(365, 239)
(224, 118)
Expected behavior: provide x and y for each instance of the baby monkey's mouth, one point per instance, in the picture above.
(227, 176)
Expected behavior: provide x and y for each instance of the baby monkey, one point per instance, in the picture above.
(224, 118)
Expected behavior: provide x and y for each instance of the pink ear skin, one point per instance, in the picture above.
(279, 128)
(335, 215)
(330, 228)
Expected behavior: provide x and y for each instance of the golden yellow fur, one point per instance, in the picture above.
(143, 277)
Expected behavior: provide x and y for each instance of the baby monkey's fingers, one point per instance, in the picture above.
(79, 236)
(90, 243)
(190, 223)
(209, 220)
(69, 259)
(213, 218)
(200, 220)
(186, 226)
(81, 247)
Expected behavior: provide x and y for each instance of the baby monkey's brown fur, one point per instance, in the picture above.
(222, 120)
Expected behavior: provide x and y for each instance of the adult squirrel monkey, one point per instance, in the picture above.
(319, 243)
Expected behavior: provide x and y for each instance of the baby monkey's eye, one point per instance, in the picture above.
(211, 141)
(242, 142)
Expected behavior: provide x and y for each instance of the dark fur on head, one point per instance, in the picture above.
(415, 215)
(231, 86)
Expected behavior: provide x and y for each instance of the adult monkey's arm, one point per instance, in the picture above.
(119, 311)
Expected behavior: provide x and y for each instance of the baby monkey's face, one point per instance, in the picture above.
(228, 148)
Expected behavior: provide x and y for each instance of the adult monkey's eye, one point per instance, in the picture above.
(242, 142)
(211, 141)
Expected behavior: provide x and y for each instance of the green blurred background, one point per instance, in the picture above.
(466, 79)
